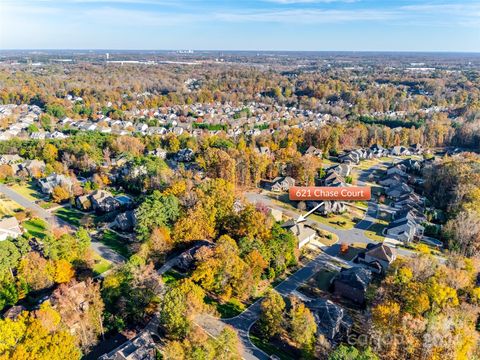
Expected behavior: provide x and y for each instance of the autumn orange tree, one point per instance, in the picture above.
(417, 296)
(37, 336)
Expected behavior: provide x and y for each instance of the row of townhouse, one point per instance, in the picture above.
(408, 206)
(376, 150)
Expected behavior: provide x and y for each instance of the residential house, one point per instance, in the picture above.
(184, 155)
(392, 180)
(303, 233)
(10, 159)
(410, 199)
(83, 202)
(378, 150)
(275, 213)
(140, 348)
(9, 228)
(398, 190)
(125, 221)
(333, 179)
(349, 158)
(34, 168)
(328, 207)
(352, 283)
(397, 169)
(405, 230)
(50, 182)
(103, 201)
(312, 150)
(342, 170)
(158, 152)
(400, 151)
(278, 184)
(332, 320)
(416, 149)
(412, 165)
(378, 257)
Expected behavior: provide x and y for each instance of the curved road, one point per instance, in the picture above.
(96, 245)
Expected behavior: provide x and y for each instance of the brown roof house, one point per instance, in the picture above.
(83, 202)
(352, 283)
(378, 257)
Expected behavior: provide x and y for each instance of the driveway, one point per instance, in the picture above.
(104, 251)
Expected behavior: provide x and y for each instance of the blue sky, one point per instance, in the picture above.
(357, 25)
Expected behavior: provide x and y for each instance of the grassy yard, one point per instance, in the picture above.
(340, 221)
(115, 242)
(36, 227)
(171, 276)
(8, 207)
(228, 309)
(323, 279)
(271, 348)
(28, 191)
(70, 215)
(375, 232)
(101, 265)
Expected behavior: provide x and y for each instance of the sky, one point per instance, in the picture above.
(311, 25)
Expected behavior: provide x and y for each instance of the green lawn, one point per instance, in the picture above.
(171, 276)
(270, 348)
(69, 215)
(115, 242)
(36, 227)
(375, 232)
(341, 221)
(8, 207)
(323, 279)
(28, 190)
(229, 309)
(101, 265)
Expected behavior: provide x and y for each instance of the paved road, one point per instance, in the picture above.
(104, 251)
(243, 322)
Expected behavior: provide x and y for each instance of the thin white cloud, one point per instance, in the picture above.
(307, 16)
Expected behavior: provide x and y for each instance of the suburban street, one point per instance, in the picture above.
(243, 322)
(37, 210)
